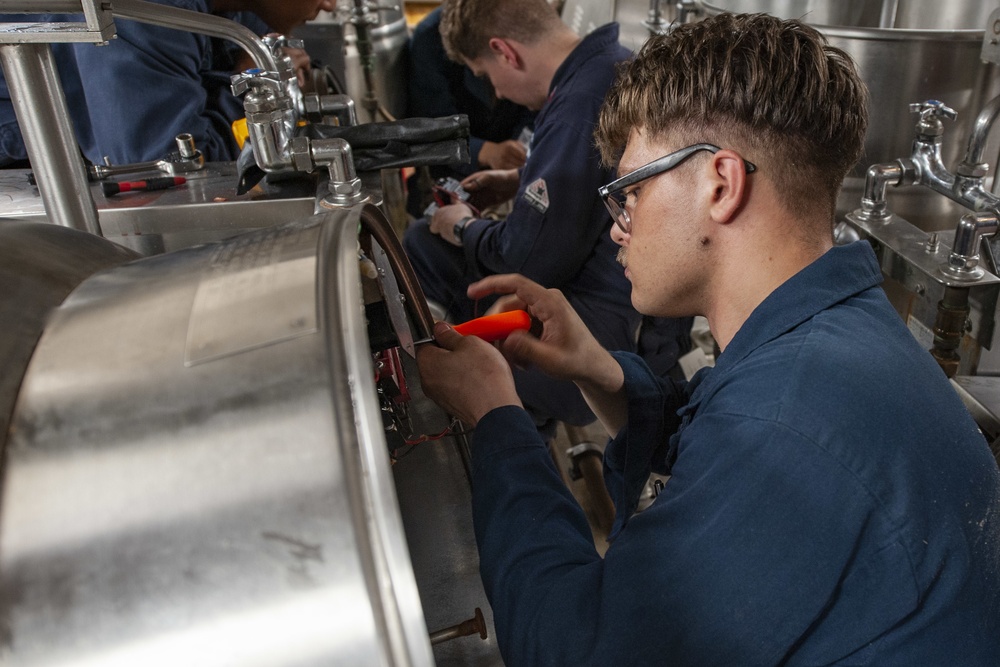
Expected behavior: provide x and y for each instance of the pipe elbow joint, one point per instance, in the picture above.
(874, 206)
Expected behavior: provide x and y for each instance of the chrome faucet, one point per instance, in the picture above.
(925, 166)
(272, 116)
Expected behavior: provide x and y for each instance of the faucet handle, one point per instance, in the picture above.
(931, 112)
(253, 79)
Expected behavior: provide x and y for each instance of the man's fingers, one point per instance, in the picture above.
(446, 336)
(506, 283)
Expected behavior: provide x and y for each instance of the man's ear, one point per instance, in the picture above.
(506, 51)
(730, 186)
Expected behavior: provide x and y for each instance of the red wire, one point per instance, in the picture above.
(428, 438)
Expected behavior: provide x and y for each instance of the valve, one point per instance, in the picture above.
(255, 79)
(931, 112)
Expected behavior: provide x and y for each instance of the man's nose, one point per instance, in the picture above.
(617, 235)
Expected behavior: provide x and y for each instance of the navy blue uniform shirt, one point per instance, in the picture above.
(557, 233)
(831, 502)
(438, 87)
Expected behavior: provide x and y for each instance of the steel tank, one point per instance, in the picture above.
(378, 63)
(196, 470)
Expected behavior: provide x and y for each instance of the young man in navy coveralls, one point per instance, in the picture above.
(557, 232)
(830, 501)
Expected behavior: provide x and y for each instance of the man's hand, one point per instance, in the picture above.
(466, 376)
(445, 218)
(492, 187)
(302, 66)
(566, 349)
(508, 154)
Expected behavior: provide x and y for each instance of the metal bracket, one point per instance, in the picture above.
(97, 28)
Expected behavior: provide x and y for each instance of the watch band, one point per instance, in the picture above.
(459, 229)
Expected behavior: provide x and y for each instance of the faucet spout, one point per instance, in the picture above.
(973, 165)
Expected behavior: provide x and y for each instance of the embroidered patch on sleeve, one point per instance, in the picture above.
(537, 195)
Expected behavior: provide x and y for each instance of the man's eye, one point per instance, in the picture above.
(631, 197)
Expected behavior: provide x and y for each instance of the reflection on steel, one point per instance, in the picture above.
(238, 510)
(43, 117)
(40, 264)
(474, 626)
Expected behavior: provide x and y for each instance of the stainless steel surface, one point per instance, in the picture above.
(205, 209)
(97, 27)
(43, 117)
(981, 396)
(40, 264)
(384, 59)
(913, 244)
(232, 509)
(197, 22)
(915, 265)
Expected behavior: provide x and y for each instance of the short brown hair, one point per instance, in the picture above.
(769, 88)
(468, 25)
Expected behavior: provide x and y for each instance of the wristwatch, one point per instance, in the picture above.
(459, 228)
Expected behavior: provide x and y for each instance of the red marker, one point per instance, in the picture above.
(111, 188)
(496, 327)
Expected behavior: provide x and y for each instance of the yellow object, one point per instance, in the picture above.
(416, 11)
(240, 132)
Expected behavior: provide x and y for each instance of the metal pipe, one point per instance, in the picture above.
(204, 24)
(873, 202)
(949, 327)
(972, 164)
(475, 625)
(43, 117)
(963, 262)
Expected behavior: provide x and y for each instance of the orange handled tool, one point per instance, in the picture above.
(496, 327)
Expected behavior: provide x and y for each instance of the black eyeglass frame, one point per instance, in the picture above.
(654, 168)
